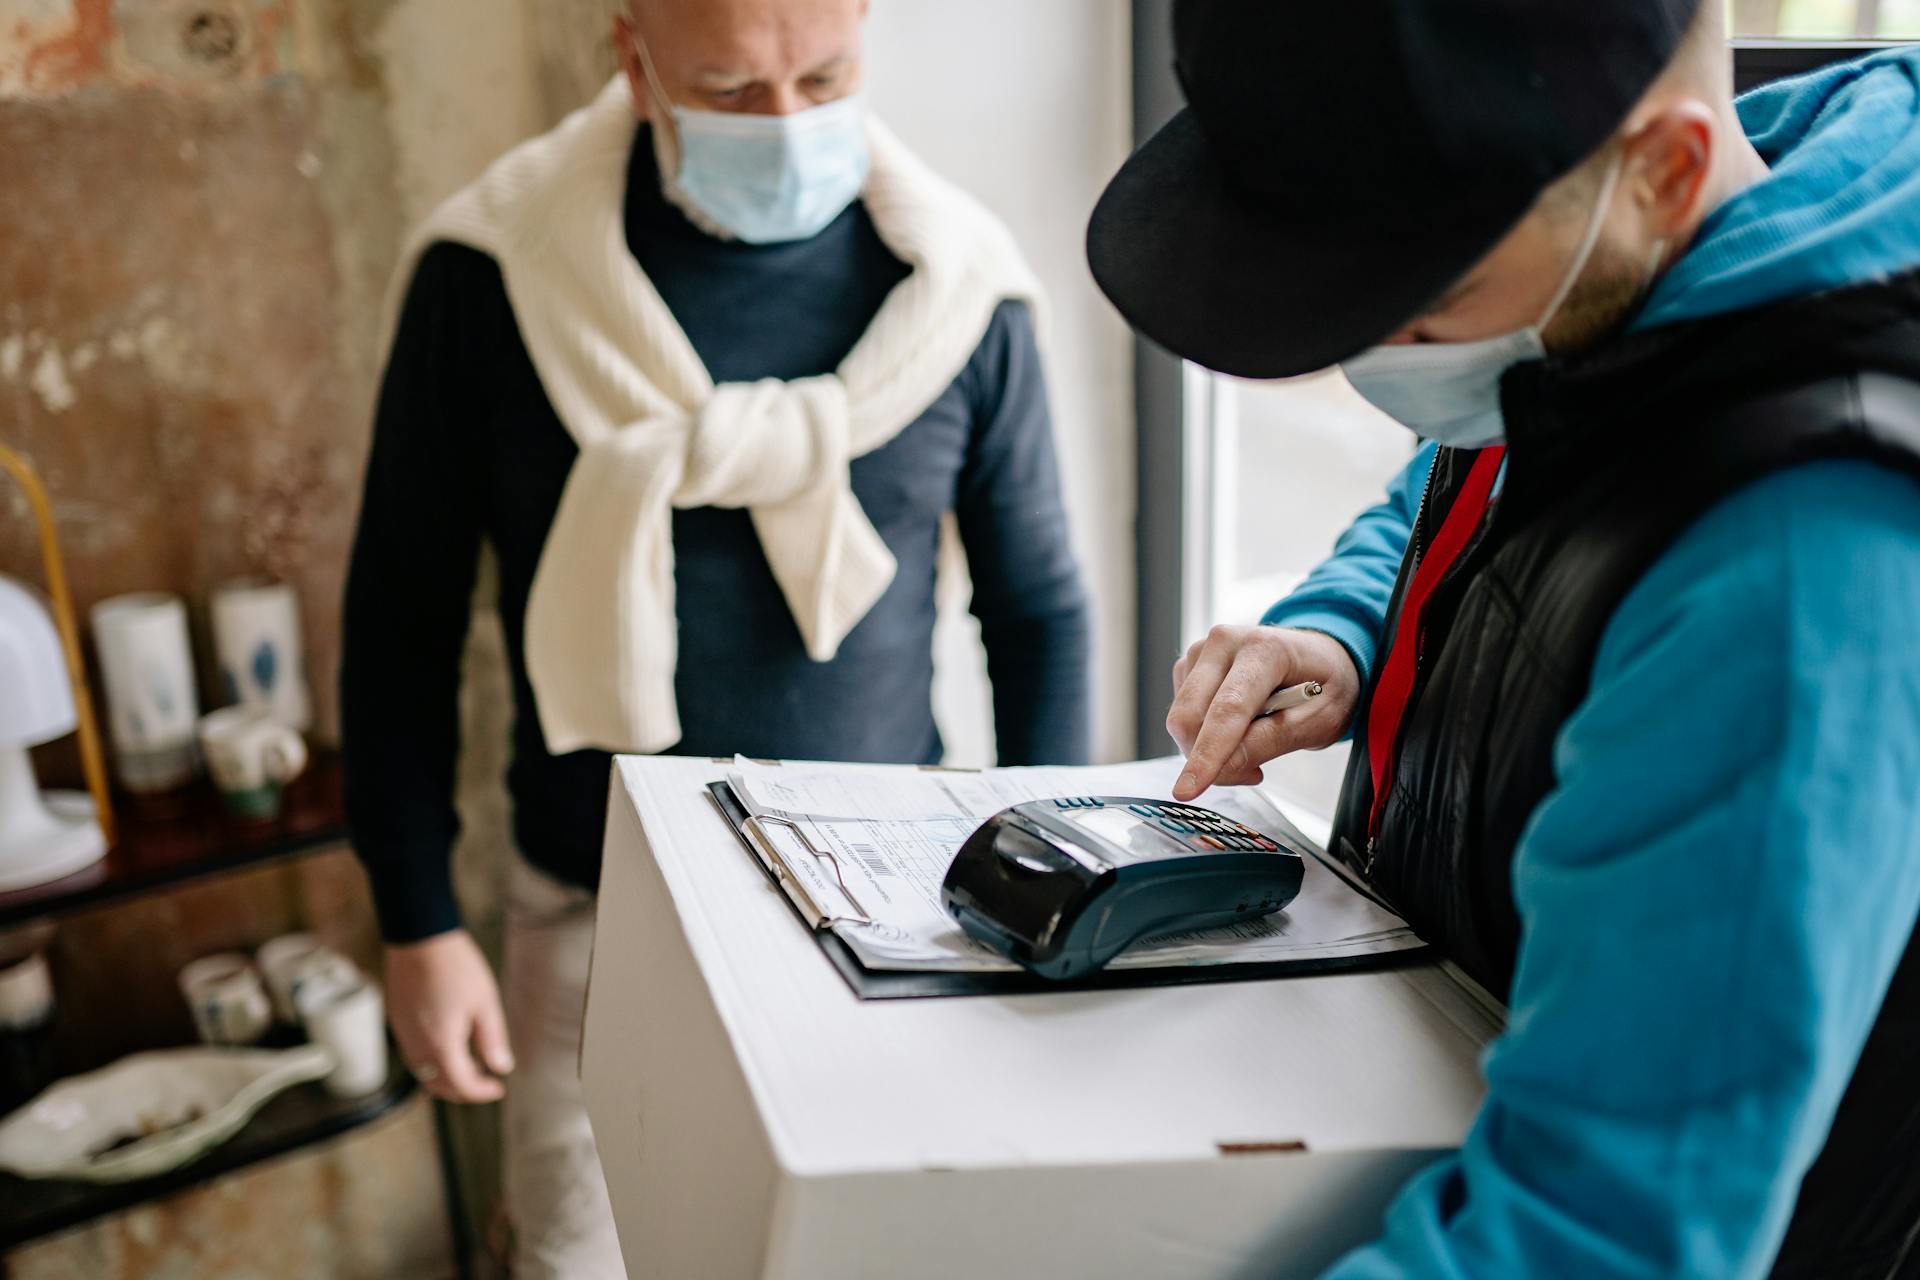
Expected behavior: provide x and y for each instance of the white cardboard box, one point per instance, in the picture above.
(756, 1119)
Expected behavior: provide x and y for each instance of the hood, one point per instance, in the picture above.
(1841, 205)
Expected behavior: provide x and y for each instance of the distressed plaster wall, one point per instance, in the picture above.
(201, 202)
(200, 205)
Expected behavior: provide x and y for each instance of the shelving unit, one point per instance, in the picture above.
(193, 839)
(300, 1117)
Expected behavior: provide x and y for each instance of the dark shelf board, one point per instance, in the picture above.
(31, 1209)
(187, 834)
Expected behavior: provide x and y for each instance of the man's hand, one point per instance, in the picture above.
(1222, 682)
(445, 1010)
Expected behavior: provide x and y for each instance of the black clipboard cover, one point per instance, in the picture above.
(898, 984)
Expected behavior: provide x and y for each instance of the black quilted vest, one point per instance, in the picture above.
(1611, 456)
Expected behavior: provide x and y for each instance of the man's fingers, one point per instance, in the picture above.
(1295, 729)
(1185, 664)
(447, 1069)
(459, 1075)
(1239, 771)
(1264, 738)
(417, 1051)
(1193, 701)
(490, 1039)
(1262, 742)
(1223, 683)
(1235, 702)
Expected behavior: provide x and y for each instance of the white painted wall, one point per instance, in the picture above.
(453, 106)
(1026, 103)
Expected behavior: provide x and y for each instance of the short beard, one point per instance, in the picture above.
(1605, 297)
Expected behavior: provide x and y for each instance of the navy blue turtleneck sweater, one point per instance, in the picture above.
(467, 450)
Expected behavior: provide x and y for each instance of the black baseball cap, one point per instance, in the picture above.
(1341, 163)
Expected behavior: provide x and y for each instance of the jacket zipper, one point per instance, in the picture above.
(1419, 547)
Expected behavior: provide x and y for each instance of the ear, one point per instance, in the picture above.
(630, 66)
(1669, 157)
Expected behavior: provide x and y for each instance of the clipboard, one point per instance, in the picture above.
(898, 984)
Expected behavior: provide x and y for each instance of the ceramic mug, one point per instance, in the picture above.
(146, 663)
(229, 1004)
(26, 1030)
(351, 1024)
(251, 757)
(298, 963)
(256, 638)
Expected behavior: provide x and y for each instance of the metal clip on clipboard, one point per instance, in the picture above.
(817, 917)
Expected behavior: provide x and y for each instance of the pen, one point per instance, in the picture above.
(1291, 696)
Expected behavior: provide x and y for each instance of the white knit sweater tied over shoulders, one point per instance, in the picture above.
(655, 432)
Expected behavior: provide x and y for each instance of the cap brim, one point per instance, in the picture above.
(1205, 270)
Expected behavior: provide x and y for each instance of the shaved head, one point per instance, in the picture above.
(761, 57)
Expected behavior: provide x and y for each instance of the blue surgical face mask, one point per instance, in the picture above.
(761, 179)
(1449, 392)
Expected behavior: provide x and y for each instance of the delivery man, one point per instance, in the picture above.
(1631, 653)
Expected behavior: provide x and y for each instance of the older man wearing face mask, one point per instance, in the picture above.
(1631, 653)
(707, 382)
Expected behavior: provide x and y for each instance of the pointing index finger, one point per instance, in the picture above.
(1196, 694)
(1232, 710)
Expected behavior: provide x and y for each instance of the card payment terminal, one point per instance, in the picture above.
(1062, 886)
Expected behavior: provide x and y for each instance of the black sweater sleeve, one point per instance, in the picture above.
(409, 597)
(1027, 590)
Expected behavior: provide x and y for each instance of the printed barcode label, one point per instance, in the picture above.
(871, 856)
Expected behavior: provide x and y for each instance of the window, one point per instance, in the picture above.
(1277, 471)
(1826, 19)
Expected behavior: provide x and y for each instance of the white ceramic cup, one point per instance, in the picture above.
(294, 963)
(256, 639)
(146, 663)
(229, 1004)
(350, 1023)
(26, 993)
(251, 756)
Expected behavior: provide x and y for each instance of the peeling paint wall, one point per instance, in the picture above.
(178, 386)
(54, 48)
(201, 202)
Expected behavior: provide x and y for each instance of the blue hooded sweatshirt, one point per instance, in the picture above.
(1717, 891)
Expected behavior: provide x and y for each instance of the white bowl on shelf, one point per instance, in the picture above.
(149, 1113)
